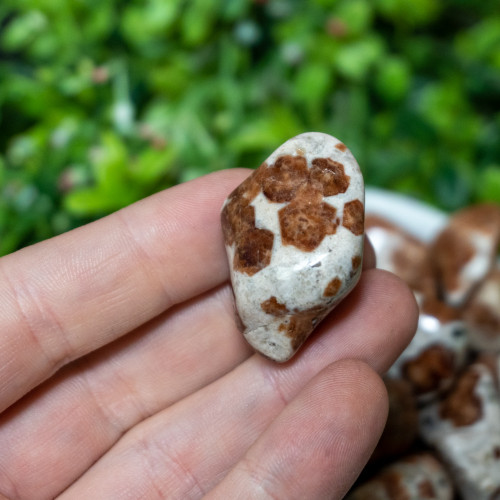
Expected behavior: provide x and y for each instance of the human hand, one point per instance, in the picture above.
(122, 374)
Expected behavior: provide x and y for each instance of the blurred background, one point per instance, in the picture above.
(103, 103)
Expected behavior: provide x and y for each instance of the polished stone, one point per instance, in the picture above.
(465, 251)
(294, 232)
(436, 353)
(415, 477)
(482, 314)
(464, 427)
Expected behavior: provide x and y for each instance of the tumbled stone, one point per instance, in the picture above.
(400, 253)
(464, 427)
(465, 251)
(415, 477)
(482, 314)
(436, 353)
(293, 232)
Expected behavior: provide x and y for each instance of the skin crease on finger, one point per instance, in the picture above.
(237, 408)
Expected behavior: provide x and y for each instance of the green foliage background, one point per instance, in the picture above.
(105, 102)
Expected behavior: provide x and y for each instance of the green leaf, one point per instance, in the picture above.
(90, 201)
(410, 12)
(109, 161)
(392, 79)
(143, 23)
(23, 30)
(152, 165)
(488, 185)
(356, 59)
(197, 21)
(235, 9)
(443, 106)
(98, 201)
(266, 131)
(481, 41)
(312, 84)
(356, 15)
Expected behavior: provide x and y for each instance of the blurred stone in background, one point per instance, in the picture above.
(451, 367)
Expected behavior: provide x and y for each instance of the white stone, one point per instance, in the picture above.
(470, 445)
(414, 477)
(281, 299)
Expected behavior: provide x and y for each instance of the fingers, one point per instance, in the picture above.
(185, 450)
(100, 399)
(319, 444)
(70, 295)
(89, 405)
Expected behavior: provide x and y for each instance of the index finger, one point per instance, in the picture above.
(67, 296)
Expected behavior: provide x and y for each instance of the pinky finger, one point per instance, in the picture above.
(319, 444)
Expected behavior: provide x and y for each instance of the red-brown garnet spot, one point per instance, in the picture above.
(463, 253)
(281, 180)
(419, 476)
(254, 251)
(356, 261)
(305, 225)
(354, 217)
(293, 232)
(462, 406)
(272, 306)
(330, 175)
(433, 367)
(300, 324)
(332, 288)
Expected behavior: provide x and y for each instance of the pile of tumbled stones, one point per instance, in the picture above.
(442, 438)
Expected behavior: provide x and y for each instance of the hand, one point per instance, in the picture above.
(122, 373)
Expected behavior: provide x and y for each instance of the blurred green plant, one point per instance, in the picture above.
(102, 103)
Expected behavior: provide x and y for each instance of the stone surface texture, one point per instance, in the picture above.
(464, 427)
(416, 477)
(436, 353)
(401, 254)
(452, 364)
(482, 314)
(464, 252)
(438, 350)
(294, 232)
